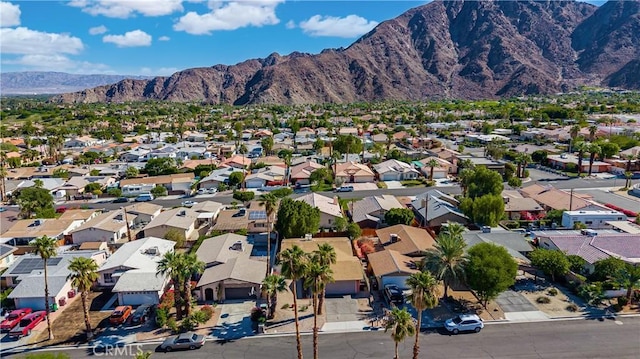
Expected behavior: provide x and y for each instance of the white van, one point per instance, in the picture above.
(145, 197)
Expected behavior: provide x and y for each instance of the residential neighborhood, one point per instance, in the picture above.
(324, 226)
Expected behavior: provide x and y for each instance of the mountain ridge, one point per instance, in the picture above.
(443, 49)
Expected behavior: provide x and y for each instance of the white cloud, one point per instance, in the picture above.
(229, 15)
(56, 62)
(349, 26)
(130, 39)
(164, 38)
(24, 41)
(127, 8)
(98, 30)
(291, 24)
(9, 14)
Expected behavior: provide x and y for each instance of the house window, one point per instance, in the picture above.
(588, 222)
(329, 220)
(108, 278)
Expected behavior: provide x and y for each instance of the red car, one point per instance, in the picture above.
(27, 323)
(13, 319)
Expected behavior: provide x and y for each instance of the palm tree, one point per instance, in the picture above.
(519, 160)
(84, 272)
(170, 264)
(286, 156)
(432, 164)
(454, 229)
(46, 248)
(389, 143)
(316, 278)
(326, 256)
(270, 203)
(592, 132)
(593, 149)
(293, 267)
(272, 285)
(629, 158)
(190, 265)
(423, 296)
(446, 260)
(401, 324)
(526, 159)
(581, 147)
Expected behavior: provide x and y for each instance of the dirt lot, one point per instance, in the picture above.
(154, 333)
(68, 328)
(469, 300)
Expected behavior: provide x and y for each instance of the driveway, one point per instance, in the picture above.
(235, 320)
(517, 307)
(342, 315)
(362, 186)
(393, 184)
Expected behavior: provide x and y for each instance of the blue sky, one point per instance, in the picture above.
(159, 37)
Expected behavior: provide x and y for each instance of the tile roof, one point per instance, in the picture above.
(158, 179)
(347, 266)
(180, 217)
(389, 261)
(394, 166)
(601, 246)
(27, 228)
(78, 214)
(110, 221)
(241, 269)
(554, 198)
(227, 222)
(410, 239)
(345, 169)
(144, 208)
(218, 249)
(325, 204)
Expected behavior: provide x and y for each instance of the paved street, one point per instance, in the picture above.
(551, 339)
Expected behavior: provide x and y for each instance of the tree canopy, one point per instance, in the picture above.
(297, 218)
(399, 216)
(551, 262)
(482, 181)
(160, 166)
(34, 200)
(490, 270)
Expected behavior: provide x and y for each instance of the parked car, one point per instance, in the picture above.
(146, 197)
(393, 293)
(120, 314)
(212, 190)
(463, 323)
(344, 189)
(141, 314)
(188, 340)
(61, 209)
(13, 319)
(121, 200)
(27, 323)
(189, 204)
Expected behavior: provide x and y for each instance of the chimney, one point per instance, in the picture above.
(393, 238)
(335, 200)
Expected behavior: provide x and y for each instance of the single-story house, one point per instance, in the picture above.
(483, 162)
(438, 207)
(518, 207)
(208, 211)
(300, 173)
(179, 182)
(407, 240)
(6, 255)
(351, 172)
(144, 212)
(443, 168)
(515, 243)
(111, 227)
(592, 219)
(184, 220)
(564, 160)
(229, 272)
(217, 177)
(26, 230)
(329, 208)
(394, 170)
(369, 212)
(26, 277)
(266, 176)
(131, 272)
(392, 267)
(347, 271)
(553, 198)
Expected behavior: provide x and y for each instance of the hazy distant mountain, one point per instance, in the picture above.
(444, 49)
(38, 82)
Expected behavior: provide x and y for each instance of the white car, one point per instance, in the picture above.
(463, 323)
(212, 190)
(189, 204)
(202, 191)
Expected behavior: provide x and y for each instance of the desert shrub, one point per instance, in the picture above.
(543, 300)
(188, 324)
(572, 307)
(256, 314)
(285, 306)
(172, 325)
(208, 310)
(552, 292)
(303, 308)
(161, 317)
(200, 317)
(622, 301)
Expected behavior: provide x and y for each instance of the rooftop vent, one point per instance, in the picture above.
(154, 251)
(393, 238)
(182, 213)
(237, 246)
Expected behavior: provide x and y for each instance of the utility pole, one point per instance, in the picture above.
(571, 200)
(426, 208)
(126, 220)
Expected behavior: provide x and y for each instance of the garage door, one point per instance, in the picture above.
(139, 298)
(400, 281)
(238, 293)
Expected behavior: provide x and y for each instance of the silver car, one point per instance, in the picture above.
(188, 340)
(463, 323)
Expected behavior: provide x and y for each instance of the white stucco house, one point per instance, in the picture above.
(394, 170)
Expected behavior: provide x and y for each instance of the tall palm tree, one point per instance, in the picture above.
(423, 296)
(593, 149)
(171, 265)
(432, 164)
(293, 267)
(272, 285)
(446, 260)
(190, 265)
(593, 129)
(581, 148)
(270, 203)
(46, 248)
(286, 156)
(84, 272)
(316, 278)
(454, 229)
(326, 256)
(401, 324)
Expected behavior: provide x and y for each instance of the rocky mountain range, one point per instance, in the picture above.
(45, 82)
(444, 49)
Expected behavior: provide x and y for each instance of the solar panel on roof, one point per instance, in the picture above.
(28, 265)
(256, 215)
